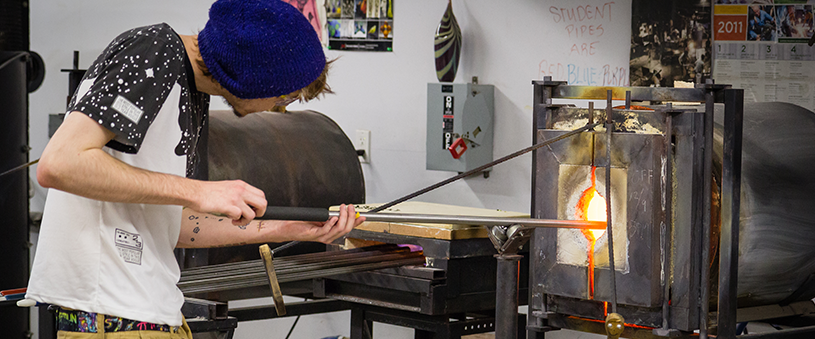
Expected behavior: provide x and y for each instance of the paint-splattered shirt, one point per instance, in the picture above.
(117, 258)
(131, 82)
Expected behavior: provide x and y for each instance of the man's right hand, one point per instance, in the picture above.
(235, 199)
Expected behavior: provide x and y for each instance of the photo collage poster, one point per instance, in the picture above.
(670, 42)
(764, 48)
(360, 25)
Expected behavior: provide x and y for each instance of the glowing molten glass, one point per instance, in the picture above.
(592, 206)
(596, 211)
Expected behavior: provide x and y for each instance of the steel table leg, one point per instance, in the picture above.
(506, 296)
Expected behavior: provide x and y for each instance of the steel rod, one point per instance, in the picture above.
(407, 260)
(591, 121)
(609, 228)
(287, 277)
(327, 261)
(668, 222)
(480, 221)
(261, 272)
(26, 165)
(282, 262)
(481, 168)
(293, 260)
(704, 283)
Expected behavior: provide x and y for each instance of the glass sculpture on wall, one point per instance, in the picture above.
(447, 46)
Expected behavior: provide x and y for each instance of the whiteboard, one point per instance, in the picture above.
(589, 42)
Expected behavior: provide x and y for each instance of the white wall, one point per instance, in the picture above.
(505, 44)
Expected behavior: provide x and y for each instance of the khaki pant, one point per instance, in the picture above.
(182, 333)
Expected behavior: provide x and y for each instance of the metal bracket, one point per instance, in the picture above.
(542, 320)
(508, 240)
(547, 81)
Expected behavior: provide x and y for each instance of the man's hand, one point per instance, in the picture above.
(234, 199)
(326, 233)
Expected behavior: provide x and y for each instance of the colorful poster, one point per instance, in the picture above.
(762, 47)
(360, 25)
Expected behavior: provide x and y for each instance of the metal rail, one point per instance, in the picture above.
(609, 228)
(328, 268)
(637, 93)
(284, 262)
(482, 221)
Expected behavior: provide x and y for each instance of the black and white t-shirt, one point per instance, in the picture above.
(117, 258)
(132, 80)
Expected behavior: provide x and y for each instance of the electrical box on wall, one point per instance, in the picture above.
(459, 126)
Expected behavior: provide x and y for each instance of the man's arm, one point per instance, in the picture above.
(201, 230)
(74, 162)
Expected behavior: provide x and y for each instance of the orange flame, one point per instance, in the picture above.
(591, 206)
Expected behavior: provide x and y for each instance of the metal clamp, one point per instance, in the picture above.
(508, 240)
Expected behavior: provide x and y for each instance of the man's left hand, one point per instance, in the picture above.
(327, 232)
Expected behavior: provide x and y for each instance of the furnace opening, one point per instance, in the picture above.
(592, 206)
(582, 196)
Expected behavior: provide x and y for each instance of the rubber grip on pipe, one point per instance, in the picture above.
(296, 213)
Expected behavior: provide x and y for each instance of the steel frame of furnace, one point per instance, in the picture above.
(542, 319)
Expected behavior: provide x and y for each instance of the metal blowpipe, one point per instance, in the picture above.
(320, 214)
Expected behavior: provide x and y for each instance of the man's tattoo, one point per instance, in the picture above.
(260, 225)
(192, 239)
(196, 229)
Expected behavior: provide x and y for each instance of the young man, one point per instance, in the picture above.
(122, 164)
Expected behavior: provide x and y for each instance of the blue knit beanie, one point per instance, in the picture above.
(260, 48)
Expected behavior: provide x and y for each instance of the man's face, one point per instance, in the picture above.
(242, 107)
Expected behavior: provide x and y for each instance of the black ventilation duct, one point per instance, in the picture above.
(14, 56)
(14, 25)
